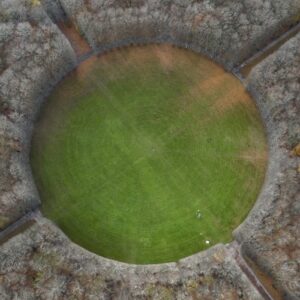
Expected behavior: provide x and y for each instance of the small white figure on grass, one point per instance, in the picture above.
(207, 242)
(198, 214)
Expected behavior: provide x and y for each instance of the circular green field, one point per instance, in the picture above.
(148, 154)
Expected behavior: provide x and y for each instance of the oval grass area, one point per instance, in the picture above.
(148, 154)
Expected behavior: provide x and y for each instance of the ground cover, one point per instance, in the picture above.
(148, 154)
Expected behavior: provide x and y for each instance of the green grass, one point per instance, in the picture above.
(133, 144)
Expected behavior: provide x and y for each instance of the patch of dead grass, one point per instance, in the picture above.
(164, 53)
(235, 95)
(257, 157)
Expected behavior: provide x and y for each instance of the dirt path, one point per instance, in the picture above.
(245, 68)
(19, 226)
(236, 250)
(79, 44)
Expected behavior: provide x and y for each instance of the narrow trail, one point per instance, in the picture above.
(19, 225)
(243, 70)
(81, 47)
(236, 250)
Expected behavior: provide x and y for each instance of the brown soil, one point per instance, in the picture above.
(265, 280)
(79, 44)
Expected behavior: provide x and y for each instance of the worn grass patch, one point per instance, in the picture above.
(148, 155)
